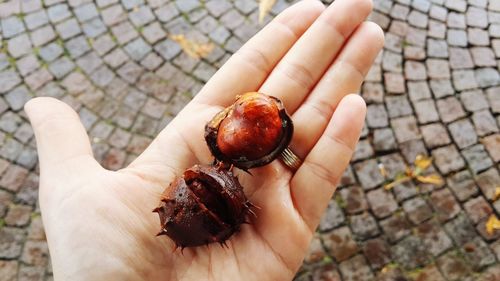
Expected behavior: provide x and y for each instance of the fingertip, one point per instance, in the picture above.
(376, 33)
(38, 108)
(348, 120)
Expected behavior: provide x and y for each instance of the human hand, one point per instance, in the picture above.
(99, 223)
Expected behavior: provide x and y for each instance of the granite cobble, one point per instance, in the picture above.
(433, 90)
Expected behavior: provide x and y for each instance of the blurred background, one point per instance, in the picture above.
(418, 202)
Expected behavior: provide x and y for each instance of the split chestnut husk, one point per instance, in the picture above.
(206, 204)
(250, 133)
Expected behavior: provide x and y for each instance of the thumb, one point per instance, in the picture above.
(60, 136)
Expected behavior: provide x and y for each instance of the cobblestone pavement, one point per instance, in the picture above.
(435, 90)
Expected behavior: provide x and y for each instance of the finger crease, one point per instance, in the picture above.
(340, 142)
(255, 58)
(322, 108)
(337, 32)
(297, 73)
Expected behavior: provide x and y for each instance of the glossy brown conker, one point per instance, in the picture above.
(204, 205)
(251, 132)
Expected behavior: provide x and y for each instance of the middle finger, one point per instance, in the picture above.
(296, 74)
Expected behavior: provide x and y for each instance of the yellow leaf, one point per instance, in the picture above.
(432, 179)
(264, 7)
(422, 162)
(492, 224)
(191, 48)
(390, 185)
(497, 194)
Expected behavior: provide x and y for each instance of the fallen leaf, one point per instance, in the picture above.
(401, 180)
(432, 179)
(264, 7)
(492, 224)
(191, 48)
(497, 194)
(422, 162)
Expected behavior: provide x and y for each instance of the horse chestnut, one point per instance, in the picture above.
(250, 133)
(205, 205)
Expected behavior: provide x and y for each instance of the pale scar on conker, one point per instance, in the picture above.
(206, 203)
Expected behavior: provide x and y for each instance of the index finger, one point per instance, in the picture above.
(248, 68)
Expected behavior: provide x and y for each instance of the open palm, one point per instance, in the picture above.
(99, 223)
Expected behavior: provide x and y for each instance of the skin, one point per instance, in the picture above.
(99, 223)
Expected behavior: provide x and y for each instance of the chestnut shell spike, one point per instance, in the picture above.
(251, 132)
(206, 204)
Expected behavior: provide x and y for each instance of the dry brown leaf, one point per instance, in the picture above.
(191, 48)
(497, 193)
(432, 179)
(422, 162)
(382, 170)
(390, 185)
(264, 7)
(492, 224)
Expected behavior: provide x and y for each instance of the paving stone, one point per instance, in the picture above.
(434, 238)
(89, 62)
(410, 149)
(492, 145)
(394, 83)
(410, 252)
(484, 123)
(435, 135)
(477, 209)
(363, 150)
(477, 159)
(8, 270)
(377, 252)
(462, 184)
(456, 37)
(141, 16)
(483, 56)
(384, 140)
(38, 78)
(417, 210)
(494, 99)
(441, 88)
(418, 90)
(478, 254)
(450, 109)
(487, 181)
(18, 215)
(11, 240)
(447, 159)
(68, 29)
(356, 269)
(58, 13)
(401, 28)
(393, 164)
(405, 128)
(437, 48)
(17, 98)
(486, 77)
(456, 20)
(31, 272)
(460, 229)
(453, 266)
(438, 69)
(476, 17)
(393, 62)
(137, 49)
(444, 204)
(340, 244)
(61, 67)
(426, 111)
(354, 199)
(368, 174)
(398, 106)
(94, 28)
(11, 27)
(418, 19)
(381, 202)
(376, 116)
(437, 29)
(415, 70)
(478, 37)
(364, 226)
(332, 218)
(19, 45)
(463, 133)
(167, 12)
(474, 100)
(36, 19)
(27, 64)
